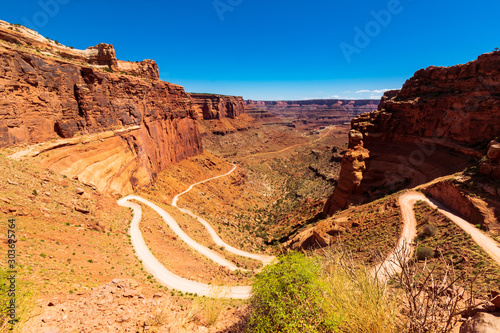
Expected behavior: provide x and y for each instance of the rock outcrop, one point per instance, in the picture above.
(211, 106)
(482, 322)
(351, 174)
(437, 124)
(491, 167)
(221, 114)
(42, 98)
(100, 56)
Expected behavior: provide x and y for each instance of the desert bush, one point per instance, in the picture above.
(424, 253)
(290, 296)
(431, 302)
(429, 230)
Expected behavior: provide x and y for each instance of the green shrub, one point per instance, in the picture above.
(424, 252)
(429, 230)
(290, 296)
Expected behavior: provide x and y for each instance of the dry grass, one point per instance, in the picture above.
(206, 311)
(364, 303)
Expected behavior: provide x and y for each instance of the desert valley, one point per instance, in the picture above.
(131, 205)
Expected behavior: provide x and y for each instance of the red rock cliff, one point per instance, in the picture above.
(100, 56)
(44, 98)
(440, 120)
(210, 106)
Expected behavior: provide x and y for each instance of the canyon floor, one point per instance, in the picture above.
(73, 241)
(78, 270)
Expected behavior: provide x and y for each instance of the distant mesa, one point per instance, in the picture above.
(322, 112)
(212, 106)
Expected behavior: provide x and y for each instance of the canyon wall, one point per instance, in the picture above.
(221, 114)
(320, 112)
(45, 97)
(100, 56)
(441, 121)
(212, 106)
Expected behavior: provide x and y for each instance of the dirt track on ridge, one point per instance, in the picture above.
(404, 247)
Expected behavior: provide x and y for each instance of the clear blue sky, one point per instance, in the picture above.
(275, 49)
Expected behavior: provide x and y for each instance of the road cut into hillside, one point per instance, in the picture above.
(171, 280)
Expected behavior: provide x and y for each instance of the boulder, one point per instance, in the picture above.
(307, 239)
(482, 322)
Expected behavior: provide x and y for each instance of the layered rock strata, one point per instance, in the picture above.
(437, 124)
(211, 106)
(44, 98)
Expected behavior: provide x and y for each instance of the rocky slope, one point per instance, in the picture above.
(438, 123)
(45, 96)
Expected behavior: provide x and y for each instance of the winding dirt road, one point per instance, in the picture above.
(260, 257)
(391, 265)
(163, 275)
(404, 247)
(169, 279)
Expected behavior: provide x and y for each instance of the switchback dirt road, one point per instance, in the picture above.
(169, 279)
(404, 248)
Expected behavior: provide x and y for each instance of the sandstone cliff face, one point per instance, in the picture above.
(44, 98)
(220, 114)
(320, 112)
(99, 56)
(433, 126)
(217, 106)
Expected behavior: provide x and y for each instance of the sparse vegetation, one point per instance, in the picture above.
(449, 245)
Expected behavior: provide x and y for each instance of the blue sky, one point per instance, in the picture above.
(275, 49)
